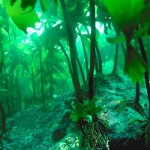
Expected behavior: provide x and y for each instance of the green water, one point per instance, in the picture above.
(74, 74)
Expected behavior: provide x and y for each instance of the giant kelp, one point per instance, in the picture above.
(67, 23)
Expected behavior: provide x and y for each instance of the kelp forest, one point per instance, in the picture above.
(74, 74)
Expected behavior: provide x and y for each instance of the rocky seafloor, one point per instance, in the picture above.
(49, 127)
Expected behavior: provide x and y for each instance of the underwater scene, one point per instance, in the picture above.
(74, 74)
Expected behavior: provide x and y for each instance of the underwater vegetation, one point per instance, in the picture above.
(52, 47)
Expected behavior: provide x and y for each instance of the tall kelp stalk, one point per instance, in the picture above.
(7, 88)
(81, 70)
(33, 85)
(33, 81)
(67, 58)
(73, 52)
(97, 54)
(85, 53)
(137, 97)
(116, 59)
(136, 104)
(3, 68)
(146, 73)
(92, 51)
(42, 78)
(99, 59)
(18, 104)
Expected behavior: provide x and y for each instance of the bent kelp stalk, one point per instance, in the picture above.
(73, 52)
(92, 52)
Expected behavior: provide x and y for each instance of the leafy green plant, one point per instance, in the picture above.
(85, 111)
(128, 25)
(134, 61)
(22, 13)
(132, 16)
